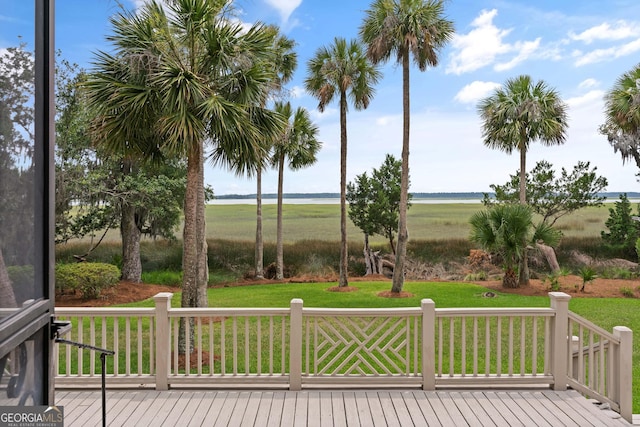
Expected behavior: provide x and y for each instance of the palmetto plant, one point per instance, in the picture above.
(504, 229)
(407, 29)
(185, 78)
(507, 230)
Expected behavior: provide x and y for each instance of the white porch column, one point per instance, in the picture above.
(624, 371)
(295, 345)
(559, 339)
(163, 341)
(428, 344)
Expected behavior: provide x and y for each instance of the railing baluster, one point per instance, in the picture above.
(451, 346)
(463, 343)
(259, 345)
(199, 332)
(523, 349)
(116, 342)
(223, 348)
(510, 346)
(499, 346)
(235, 345)
(440, 345)
(246, 346)
(139, 337)
(80, 351)
(475, 346)
(92, 341)
(591, 360)
(127, 327)
(211, 346)
(534, 346)
(487, 346)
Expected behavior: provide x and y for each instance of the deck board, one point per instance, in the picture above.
(353, 408)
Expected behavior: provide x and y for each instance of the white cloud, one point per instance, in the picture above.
(297, 92)
(608, 54)
(473, 92)
(284, 7)
(620, 30)
(479, 47)
(589, 98)
(588, 83)
(484, 44)
(525, 49)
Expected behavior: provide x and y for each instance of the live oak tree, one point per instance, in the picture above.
(551, 196)
(374, 206)
(98, 189)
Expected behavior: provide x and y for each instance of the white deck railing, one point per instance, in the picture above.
(299, 347)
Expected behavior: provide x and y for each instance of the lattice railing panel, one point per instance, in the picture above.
(361, 346)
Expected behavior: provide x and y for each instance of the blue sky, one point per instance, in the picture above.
(579, 48)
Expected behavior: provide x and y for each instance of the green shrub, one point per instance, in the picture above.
(627, 292)
(89, 278)
(476, 277)
(617, 273)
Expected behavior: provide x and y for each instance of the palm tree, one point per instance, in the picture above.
(284, 62)
(622, 110)
(507, 230)
(409, 29)
(191, 77)
(518, 114)
(342, 69)
(298, 145)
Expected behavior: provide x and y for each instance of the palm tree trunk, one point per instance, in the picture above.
(259, 242)
(190, 242)
(201, 239)
(130, 233)
(403, 236)
(344, 250)
(523, 277)
(279, 252)
(7, 296)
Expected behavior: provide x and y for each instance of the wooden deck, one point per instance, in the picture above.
(335, 408)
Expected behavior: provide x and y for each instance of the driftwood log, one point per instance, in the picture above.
(550, 255)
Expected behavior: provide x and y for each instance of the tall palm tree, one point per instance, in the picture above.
(297, 145)
(622, 112)
(408, 29)
(284, 63)
(342, 69)
(518, 114)
(192, 78)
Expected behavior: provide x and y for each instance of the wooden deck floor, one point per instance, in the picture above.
(334, 408)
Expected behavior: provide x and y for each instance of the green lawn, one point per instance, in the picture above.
(605, 312)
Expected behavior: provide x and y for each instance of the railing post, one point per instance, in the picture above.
(559, 339)
(428, 344)
(624, 372)
(163, 342)
(295, 345)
